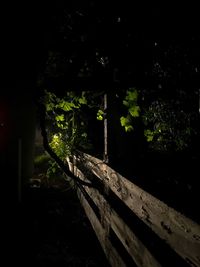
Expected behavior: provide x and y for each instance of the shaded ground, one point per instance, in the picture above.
(56, 232)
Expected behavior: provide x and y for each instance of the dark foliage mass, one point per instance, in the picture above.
(96, 44)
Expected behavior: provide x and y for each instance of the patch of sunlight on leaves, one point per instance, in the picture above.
(60, 117)
(49, 106)
(134, 111)
(100, 115)
(125, 121)
(82, 100)
(132, 95)
(129, 128)
(62, 126)
(149, 135)
(67, 106)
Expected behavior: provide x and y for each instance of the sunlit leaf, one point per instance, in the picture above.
(129, 128)
(134, 111)
(100, 115)
(99, 118)
(124, 121)
(83, 100)
(149, 135)
(132, 95)
(60, 117)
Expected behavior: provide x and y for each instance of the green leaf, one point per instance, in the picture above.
(60, 118)
(99, 118)
(125, 103)
(132, 95)
(49, 107)
(66, 106)
(82, 100)
(149, 135)
(149, 138)
(100, 112)
(129, 128)
(125, 121)
(134, 111)
(100, 115)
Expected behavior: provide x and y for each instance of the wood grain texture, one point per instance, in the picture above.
(179, 232)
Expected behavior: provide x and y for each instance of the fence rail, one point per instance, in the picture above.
(180, 233)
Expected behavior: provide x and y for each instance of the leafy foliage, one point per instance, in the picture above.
(100, 115)
(130, 102)
(168, 125)
(67, 128)
(68, 120)
(66, 125)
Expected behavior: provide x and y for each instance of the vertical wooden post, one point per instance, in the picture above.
(105, 156)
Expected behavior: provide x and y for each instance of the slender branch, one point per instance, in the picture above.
(105, 156)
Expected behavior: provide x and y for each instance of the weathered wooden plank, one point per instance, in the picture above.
(139, 253)
(136, 249)
(110, 252)
(180, 232)
(133, 245)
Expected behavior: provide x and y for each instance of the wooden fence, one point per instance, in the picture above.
(133, 227)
